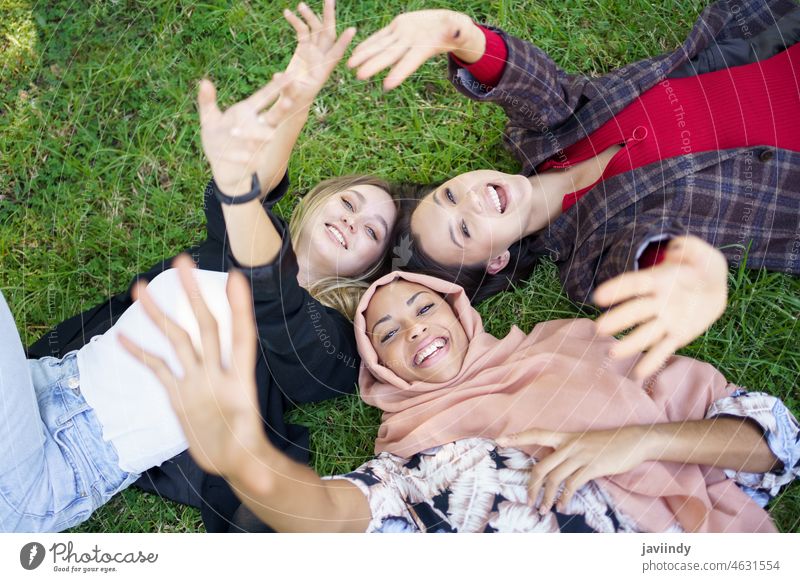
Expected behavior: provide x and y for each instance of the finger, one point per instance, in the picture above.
(244, 325)
(267, 94)
(555, 481)
(329, 15)
(624, 287)
(535, 436)
(207, 102)
(384, 59)
(409, 63)
(177, 336)
(340, 46)
(627, 315)
(370, 47)
(540, 473)
(299, 26)
(156, 364)
(206, 322)
(642, 338)
(655, 358)
(571, 486)
(312, 20)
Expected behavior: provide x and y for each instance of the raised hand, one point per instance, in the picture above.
(577, 458)
(318, 50)
(669, 305)
(216, 405)
(236, 141)
(413, 38)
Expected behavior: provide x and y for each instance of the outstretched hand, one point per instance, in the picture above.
(577, 458)
(413, 38)
(669, 305)
(318, 49)
(217, 405)
(237, 141)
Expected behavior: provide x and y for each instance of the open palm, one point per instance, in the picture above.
(318, 50)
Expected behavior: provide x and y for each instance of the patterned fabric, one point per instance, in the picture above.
(782, 432)
(474, 485)
(471, 486)
(743, 200)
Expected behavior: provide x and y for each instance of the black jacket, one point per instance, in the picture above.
(307, 354)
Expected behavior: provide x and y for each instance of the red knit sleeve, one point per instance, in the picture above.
(489, 68)
(653, 254)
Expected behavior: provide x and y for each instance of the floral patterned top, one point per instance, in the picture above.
(474, 485)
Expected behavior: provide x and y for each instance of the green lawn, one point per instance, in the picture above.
(101, 172)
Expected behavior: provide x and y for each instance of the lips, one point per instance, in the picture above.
(497, 197)
(431, 351)
(336, 235)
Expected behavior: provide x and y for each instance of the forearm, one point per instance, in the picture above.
(283, 143)
(727, 443)
(252, 237)
(291, 497)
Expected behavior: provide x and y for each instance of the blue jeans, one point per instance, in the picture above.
(58, 469)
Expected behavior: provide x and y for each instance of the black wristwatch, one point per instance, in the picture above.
(255, 192)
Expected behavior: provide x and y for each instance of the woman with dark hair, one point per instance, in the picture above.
(306, 278)
(652, 165)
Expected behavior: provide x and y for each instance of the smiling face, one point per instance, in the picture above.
(415, 332)
(473, 219)
(347, 233)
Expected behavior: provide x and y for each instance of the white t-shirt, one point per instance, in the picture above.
(129, 401)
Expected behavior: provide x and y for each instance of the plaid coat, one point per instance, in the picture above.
(745, 201)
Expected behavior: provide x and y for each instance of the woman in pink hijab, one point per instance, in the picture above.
(481, 434)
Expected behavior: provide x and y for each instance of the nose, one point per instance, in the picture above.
(474, 201)
(349, 222)
(416, 331)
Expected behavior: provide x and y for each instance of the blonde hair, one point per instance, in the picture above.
(340, 293)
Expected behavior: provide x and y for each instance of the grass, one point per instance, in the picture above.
(101, 172)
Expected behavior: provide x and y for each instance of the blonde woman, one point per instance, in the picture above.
(306, 278)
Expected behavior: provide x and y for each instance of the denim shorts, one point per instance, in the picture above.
(58, 469)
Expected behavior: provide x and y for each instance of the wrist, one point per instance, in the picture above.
(645, 442)
(234, 187)
(252, 464)
(470, 46)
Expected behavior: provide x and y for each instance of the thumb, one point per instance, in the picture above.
(535, 436)
(207, 102)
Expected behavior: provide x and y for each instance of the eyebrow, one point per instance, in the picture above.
(435, 199)
(414, 296)
(383, 319)
(358, 195)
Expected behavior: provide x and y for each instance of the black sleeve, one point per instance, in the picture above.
(310, 348)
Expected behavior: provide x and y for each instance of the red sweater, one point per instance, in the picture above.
(748, 105)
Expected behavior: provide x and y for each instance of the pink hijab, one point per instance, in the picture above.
(559, 377)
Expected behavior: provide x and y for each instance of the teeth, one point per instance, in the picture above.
(495, 198)
(338, 235)
(432, 348)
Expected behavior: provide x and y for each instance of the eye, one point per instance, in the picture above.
(425, 309)
(449, 194)
(388, 336)
(347, 204)
(371, 233)
(464, 229)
